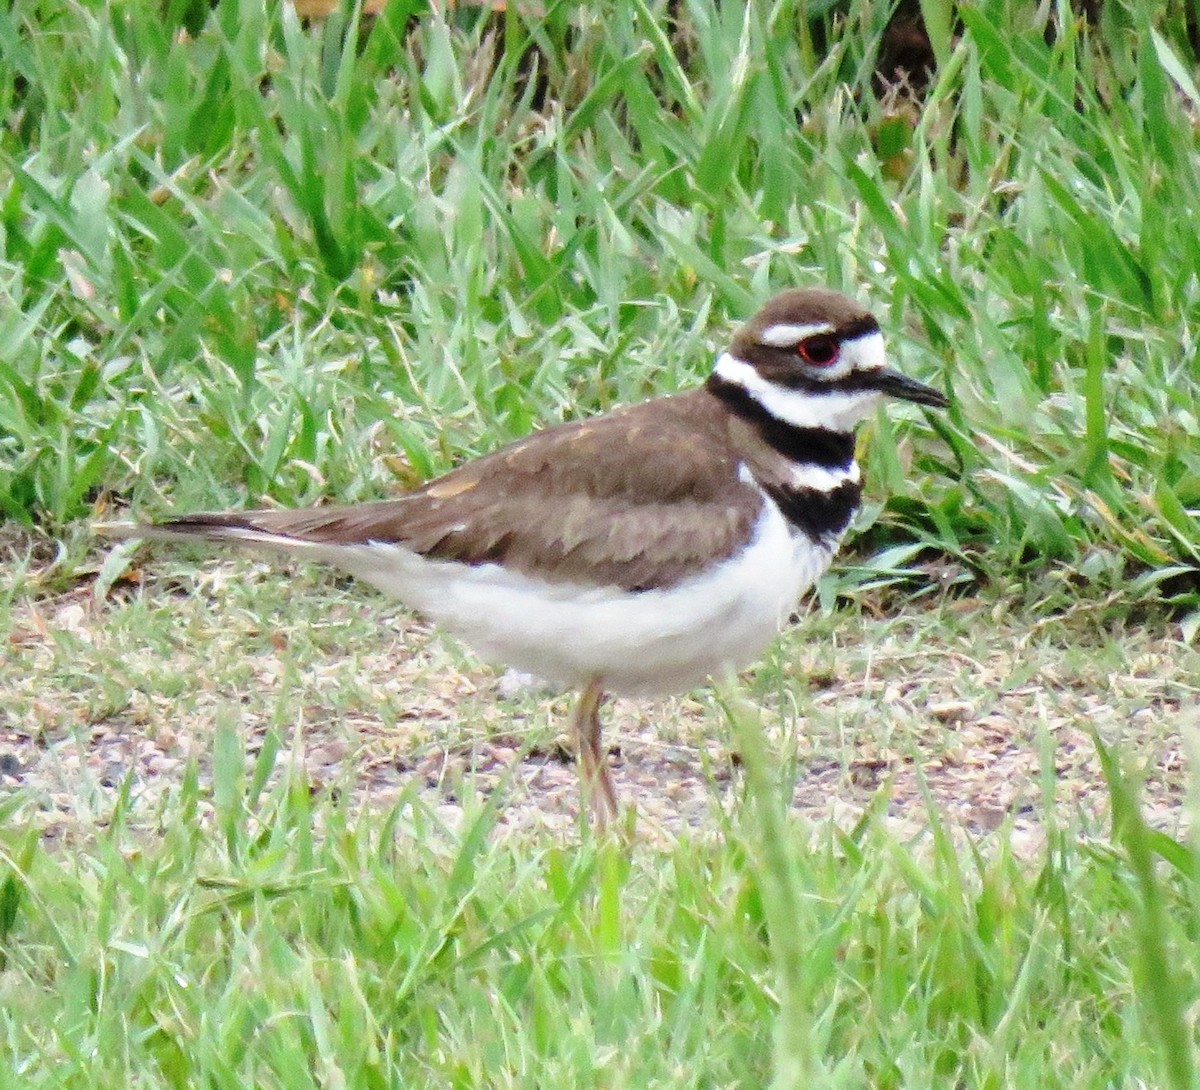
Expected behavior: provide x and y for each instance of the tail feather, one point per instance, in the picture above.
(218, 528)
(385, 521)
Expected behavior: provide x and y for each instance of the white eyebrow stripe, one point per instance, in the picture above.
(785, 334)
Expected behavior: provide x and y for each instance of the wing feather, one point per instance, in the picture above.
(564, 504)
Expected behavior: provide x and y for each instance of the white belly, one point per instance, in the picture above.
(654, 642)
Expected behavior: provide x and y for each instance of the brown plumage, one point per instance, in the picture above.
(556, 505)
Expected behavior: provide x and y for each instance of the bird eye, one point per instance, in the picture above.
(820, 350)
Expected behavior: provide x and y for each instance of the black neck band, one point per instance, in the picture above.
(806, 446)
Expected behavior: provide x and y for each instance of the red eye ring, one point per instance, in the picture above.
(819, 350)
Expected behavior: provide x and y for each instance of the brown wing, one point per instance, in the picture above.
(639, 499)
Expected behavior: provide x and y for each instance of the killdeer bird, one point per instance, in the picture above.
(635, 553)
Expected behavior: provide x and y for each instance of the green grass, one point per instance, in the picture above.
(250, 918)
(244, 259)
(305, 945)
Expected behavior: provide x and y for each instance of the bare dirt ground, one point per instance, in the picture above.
(992, 711)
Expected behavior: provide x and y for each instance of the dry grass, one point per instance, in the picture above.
(958, 695)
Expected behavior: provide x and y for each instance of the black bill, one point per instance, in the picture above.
(894, 384)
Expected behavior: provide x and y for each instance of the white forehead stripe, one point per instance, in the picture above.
(867, 352)
(785, 334)
(836, 410)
